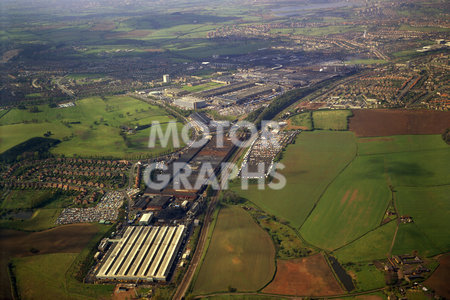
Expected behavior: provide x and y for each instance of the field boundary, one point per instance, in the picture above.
(328, 185)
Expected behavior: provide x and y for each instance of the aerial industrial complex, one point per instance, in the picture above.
(144, 253)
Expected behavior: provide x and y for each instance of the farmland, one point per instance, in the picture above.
(311, 163)
(307, 276)
(427, 215)
(322, 120)
(302, 121)
(51, 271)
(90, 128)
(63, 239)
(351, 206)
(384, 122)
(374, 245)
(364, 190)
(331, 119)
(438, 280)
(42, 218)
(241, 255)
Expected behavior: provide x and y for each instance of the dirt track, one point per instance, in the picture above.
(307, 276)
(386, 122)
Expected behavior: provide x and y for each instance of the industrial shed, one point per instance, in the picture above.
(144, 253)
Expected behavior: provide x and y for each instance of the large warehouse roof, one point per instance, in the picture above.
(143, 253)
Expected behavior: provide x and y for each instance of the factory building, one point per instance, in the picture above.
(146, 219)
(190, 102)
(144, 253)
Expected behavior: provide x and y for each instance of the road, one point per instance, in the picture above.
(196, 258)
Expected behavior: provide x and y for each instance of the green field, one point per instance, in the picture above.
(400, 143)
(311, 163)
(356, 201)
(202, 87)
(373, 245)
(91, 128)
(351, 206)
(49, 271)
(429, 207)
(42, 218)
(303, 120)
(366, 276)
(241, 255)
(331, 119)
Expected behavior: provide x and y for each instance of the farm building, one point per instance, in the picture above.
(146, 218)
(144, 253)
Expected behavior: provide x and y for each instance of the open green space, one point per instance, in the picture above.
(57, 273)
(202, 87)
(374, 245)
(311, 164)
(331, 119)
(429, 207)
(303, 120)
(93, 127)
(240, 255)
(41, 219)
(48, 271)
(352, 205)
(400, 143)
(356, 201)
(419, 168)
(366, 276)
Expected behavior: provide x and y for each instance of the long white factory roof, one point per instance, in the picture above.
(143, 253)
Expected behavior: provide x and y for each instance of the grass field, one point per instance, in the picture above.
(241, 255)
(352, 205)
(311, 163)
(49, 271)
(428, 206)
(400, 143)
(21, 199)
(90, 128)
(366, 276)
(76, 238)
(373, 245)
(303, 120)
(202, 87)
(356, 201)
(414, 161)
(331, 119)
(43, 218)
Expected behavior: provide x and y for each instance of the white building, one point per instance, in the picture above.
(146, 218)
(166, 78)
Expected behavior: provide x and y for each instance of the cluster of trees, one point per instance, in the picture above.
(230, 197)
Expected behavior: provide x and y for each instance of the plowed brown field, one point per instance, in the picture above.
(386, 122)
(441, 277)
(309, 276)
